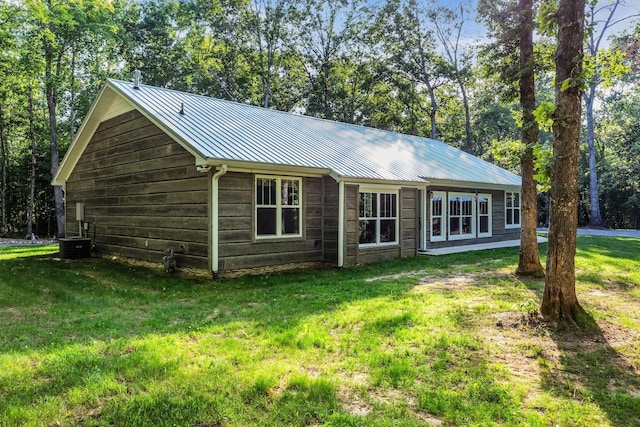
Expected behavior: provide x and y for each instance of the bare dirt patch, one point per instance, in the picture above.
(12, 312)
(531, 348)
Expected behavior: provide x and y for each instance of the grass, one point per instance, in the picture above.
(425, 341)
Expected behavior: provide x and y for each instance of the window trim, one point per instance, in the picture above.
(489, 215)
(509, 211)
(443, 217)
(279, 208)
(474, 219)
(378, 218)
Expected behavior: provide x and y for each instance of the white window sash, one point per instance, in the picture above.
(279, 207)
(443, 217)
(378, 218)
(489, 215)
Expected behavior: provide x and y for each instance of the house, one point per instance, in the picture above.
(230, 186)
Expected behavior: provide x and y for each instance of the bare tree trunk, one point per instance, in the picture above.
(32, 183)
(467, 117)
(326, 72)
(5, 167)
(529, 263)
(53, 129)
(559, 300)
(433, 112)
(595, 219)
(72, 101)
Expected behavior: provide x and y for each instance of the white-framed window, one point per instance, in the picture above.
(378, 218)
(484, 215)
(278, 206)
(438, 211)
(512, 209)
(462, 214)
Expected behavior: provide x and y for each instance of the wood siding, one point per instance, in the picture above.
(351, 225)
(499, 232)
(239, 248)
(408, 229)
(330, 220)
(143, 193)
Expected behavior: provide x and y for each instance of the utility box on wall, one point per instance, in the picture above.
(79, 211)
(75, 248)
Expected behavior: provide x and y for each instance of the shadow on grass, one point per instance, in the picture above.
(593, 371)
(47, 302)
(104, 329)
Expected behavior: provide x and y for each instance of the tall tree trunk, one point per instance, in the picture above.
(595, 219)
(529, 263)
(32, 183)
(72, 101)
(268, 77)
(433, 112)
(5, 167)
(559, 300)
(467, 116)
(51, 96)
(328, 114)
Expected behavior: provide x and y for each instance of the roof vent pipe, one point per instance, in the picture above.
(136, 79)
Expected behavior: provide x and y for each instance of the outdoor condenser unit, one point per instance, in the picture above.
(75, 248)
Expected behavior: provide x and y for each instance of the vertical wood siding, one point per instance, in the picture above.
(142, 191)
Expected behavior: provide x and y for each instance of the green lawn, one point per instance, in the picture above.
(444, 340)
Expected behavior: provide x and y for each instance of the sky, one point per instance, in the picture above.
(474, 31)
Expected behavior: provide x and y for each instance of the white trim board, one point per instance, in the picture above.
(476, 247)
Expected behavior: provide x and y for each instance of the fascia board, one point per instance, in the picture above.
(369, 182)
(251, 167)
(471, 184)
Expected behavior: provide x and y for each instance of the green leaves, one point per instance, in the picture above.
(544, 115)
(607, 66)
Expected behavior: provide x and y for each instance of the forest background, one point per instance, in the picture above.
(403, 65)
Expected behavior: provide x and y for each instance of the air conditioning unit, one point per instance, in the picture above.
(75, 248)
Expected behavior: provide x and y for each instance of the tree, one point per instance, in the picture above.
(559, 301)
(529, 261)
(514, 26)
(267, 29)
(458, 60)
(604, 65)
(58, 25)
(410, 43)
(327, 30)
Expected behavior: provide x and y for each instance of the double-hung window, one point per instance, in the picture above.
(484, 215)
(278, 206)
(462, 213)
(512, 209)
(438, 216)
(378, 218)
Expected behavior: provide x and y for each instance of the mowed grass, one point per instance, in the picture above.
(444, 340)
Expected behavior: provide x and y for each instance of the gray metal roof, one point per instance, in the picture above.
(230, 131)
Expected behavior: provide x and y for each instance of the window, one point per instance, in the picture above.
(462, 212)
(484, 215)
(438, 216)
(457, 216)
(512, 209)
(278, 206)
(378, 215)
